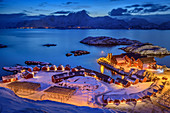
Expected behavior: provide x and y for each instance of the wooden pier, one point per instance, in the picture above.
(110, 67)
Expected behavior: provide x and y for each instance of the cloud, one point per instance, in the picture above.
(150, 8)
(42, 10)
(131, 6)
(61, 12)
(135, 10)
(69, 3)
(140, 9)
(118, 12)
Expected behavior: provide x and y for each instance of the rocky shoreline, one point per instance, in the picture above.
(78, 53)
(146, 49)
(134, 45)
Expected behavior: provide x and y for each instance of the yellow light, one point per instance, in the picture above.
(102, 69)
(102, 52)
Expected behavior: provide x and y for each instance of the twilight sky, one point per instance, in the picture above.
(94, 7)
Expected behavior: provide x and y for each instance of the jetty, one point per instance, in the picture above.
(98, 75)
(108, 66)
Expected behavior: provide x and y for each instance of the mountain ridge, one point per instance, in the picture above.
(76, 20)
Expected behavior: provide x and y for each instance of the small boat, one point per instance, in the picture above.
(37, 63)
(68, 54)
(48, 45)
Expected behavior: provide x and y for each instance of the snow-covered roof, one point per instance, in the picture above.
(60, 90)
(140, 72)
(9, 77)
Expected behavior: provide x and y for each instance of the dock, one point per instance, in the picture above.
(110, 67)
(98, 74)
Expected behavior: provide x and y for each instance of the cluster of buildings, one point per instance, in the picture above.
(134, 97)
(132, 59)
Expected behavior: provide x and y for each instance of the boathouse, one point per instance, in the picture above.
(36, 68)
(118, 59)
(133, 59)
(10, 78)
(146, 62)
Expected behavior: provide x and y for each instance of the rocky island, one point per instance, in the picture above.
(134, 45)
(48, 45)
(78, 53)
(146, 49)
(3, 46)
(107, 41)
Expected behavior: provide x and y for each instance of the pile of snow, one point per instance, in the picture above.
(10, 103)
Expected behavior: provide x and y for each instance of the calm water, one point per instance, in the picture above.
(27, 45)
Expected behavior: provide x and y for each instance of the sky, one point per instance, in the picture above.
(93, 7)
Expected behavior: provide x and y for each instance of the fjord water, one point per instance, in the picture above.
(26, 44)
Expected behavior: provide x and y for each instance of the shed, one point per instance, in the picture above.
(74, 69)
(60, 68)
(36, 68)
(53, 68)
(45, 68)
(27, 75)
(67, 68)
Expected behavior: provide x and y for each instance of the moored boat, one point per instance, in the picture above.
(37, 63)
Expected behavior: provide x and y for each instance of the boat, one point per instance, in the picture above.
(37, 63)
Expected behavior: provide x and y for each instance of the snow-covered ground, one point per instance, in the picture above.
(89, 90)
(83, 97)
(11, 103)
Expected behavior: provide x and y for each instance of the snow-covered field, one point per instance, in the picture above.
(11, 103)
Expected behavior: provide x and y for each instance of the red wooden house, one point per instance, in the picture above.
(10, 78)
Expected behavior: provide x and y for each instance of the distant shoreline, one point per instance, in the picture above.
(84, 28)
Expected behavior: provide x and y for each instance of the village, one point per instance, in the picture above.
(134, 79)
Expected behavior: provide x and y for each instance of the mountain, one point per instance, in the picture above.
(139, 23)
(78, 19)
(165, 25)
